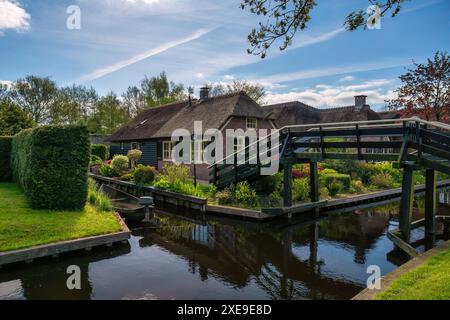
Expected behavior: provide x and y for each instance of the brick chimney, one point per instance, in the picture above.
(204, 92)
(360, 102)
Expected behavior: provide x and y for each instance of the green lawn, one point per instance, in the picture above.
(430, 281)
(22, 227)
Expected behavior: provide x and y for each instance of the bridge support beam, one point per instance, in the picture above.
(313, 182)
(406, 203)
(430, 201)
(287, 187)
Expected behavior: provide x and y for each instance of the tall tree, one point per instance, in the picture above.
(254, 91)
(158, 90)
(12, 118)
(108, 116)
(283, 18)
(425, 90)
(37, 96)
(134, 101)
(80, 102)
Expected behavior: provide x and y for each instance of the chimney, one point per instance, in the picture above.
(204, 92)
(360, 102)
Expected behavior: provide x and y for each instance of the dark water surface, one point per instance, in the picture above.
(187, 257)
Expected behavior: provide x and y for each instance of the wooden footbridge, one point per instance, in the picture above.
(412, 144)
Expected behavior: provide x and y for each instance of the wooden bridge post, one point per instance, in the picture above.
(406, 204)
(430, 201)
(313, 182)
(287, 184)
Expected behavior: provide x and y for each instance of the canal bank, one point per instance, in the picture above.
(416, 272)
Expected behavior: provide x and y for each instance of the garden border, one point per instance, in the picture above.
(54, 249)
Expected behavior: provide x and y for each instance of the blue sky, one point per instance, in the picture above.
(204, 41)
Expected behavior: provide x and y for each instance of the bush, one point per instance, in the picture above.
(176, 173)
(108, 171)
(51, 164)
(335, 187)
(5, 158)
(357, 187)
(95, 160)
(300, 190)
(268, 184)
(100, 150)
(120, 164)
(162, 183)
(98, 199)
(134, 156)
(127, 177)
(245, 195)
(225, 197)
(144, 174)
(327, 178)
(382, 180)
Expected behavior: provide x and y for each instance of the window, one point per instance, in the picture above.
(167, 150)
(252, 123)
(135, 145)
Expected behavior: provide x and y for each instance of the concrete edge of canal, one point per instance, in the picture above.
(369, 294)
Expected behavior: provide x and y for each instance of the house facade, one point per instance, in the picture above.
(151, 131)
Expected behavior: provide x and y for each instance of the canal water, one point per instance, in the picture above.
(185, 256)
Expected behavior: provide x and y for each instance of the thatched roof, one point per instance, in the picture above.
(294, 113)
(385, 115)
(161, 121)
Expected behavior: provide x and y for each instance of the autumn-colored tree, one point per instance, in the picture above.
(425, 90)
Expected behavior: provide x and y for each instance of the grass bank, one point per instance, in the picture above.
(22, 227)
(429, 281)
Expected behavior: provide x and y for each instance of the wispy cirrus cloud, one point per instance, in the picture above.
(101, 72)
(13, 16)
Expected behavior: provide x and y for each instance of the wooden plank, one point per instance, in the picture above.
(349, 144)
(430, 201)
(287, 185)
(314, 182)
(436, 136)
(406, 203)
(314, 156)
(298, 208)
(402, 244)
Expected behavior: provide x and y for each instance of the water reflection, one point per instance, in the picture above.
(191, 257)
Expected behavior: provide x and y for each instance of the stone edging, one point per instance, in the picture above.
(368, 294)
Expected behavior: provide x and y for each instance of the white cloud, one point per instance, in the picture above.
(200, 75)
(347, 78)
(13, 16)
(333, 96)
(99, 73)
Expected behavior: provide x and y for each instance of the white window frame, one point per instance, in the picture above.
(252, 123)
(167, 147)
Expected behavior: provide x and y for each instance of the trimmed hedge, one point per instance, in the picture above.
(327, 179)
(5, 158)
(100, 150)
(51, 165)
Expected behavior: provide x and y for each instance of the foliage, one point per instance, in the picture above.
(367, 170)
(12, 118)
(327, 179)
(109, 115)
(134, 101)
(134, 155)
(5, 157)
(300, 190)
(255, 91)
(176, 173)
(245, 195)
(335, 187)
(23, 227)
(357, 187)
(98, 199)
(120, 164)
(425, 90)
(127, 177)
(268, 184)
(95, 160)
(100, 150)
(225, 197)
(108, 171)
(144, 174)
(283, 18)
(159, 90)
(383, 180)
(51, 163)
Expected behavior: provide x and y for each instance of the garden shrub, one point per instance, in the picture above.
(144, 174)
(382, 180)
(127, 177)
(98, 199)
(120, 164)
(268, 184)
(108, 171)
(162, 183)
(51, 165)
(245, 195)
(225, 197)
(343, 179)
(5, 158)
(300, 190)
(95, 160)
(357, 187)
(335, 187)
(134, 155)
(176, 172)
(101, 151)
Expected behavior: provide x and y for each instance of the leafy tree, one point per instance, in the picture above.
(158, 90)
(75, 104)
(283, 18)
(134, 101)
(425, 90)
(12, 118)
(37, 96)
(109, 114)
(254, 91)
